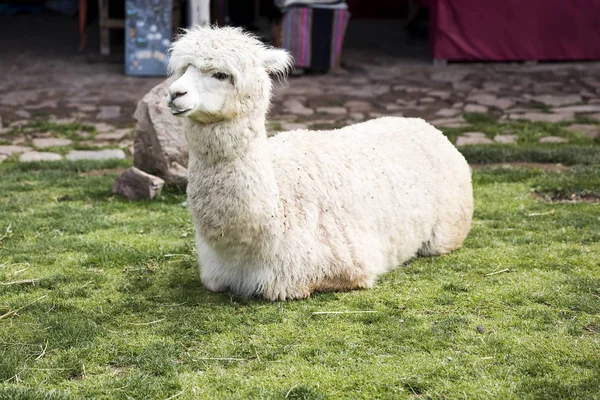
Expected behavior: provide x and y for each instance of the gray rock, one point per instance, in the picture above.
(53, 103)
(292, 126)
(102, 127)
(18, 124)
(475, 108)
(9, 150)
(470, 140)
(109, 112)
(393, 107)
(117, 135)
(505, 139)
(447, 112)
(332, 110)
(490, 100)
(543, 117)
(95, 154)
(358, 105)
(159, 144)
(23, 113)
(553, 139)
(42, 143)
(557, 100)
(586, 108)
(357, 116)
(39, 156)
(296, 107)
(439, 94)
(456, 122)
(135, 184)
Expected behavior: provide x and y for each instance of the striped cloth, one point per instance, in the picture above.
(314, 36)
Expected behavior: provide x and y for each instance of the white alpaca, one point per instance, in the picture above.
(304, 211)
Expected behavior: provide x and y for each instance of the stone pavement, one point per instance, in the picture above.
(71, 89)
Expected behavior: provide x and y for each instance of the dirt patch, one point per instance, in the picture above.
(567, 198)
(542, 166)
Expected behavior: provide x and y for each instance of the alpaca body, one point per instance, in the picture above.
(314, 211)
(304, 211)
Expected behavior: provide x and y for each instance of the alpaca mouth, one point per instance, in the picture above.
(176, 112)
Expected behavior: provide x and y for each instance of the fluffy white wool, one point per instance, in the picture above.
(305, 211)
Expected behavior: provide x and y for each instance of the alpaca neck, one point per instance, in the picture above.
(224, 142)
(232, 190)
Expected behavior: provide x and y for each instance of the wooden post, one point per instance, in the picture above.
(199, 12)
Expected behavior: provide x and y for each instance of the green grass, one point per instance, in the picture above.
(117, 310)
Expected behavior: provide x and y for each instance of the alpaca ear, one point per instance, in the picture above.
(277, 61)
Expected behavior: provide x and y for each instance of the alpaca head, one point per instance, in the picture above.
(222, 74)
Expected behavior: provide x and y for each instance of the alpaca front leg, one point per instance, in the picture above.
(276, 292)
(211, 269)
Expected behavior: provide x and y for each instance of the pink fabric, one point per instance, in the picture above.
(502, 30)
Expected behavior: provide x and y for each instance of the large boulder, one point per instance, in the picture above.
(159, 146)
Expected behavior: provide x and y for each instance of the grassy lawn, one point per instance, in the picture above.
(101, 298)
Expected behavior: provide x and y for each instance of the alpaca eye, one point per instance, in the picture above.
(220, 76)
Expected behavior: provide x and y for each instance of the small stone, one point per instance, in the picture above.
(102, 127)
(557, 100)
(23, 113)
(470, 140)
(83, 107)
(427, 100)
(475, 108)
(95, 154)
(439, 94)
(589, 131)
(96, 144)
(393, 107)
(543, 117)
(447, 112)
(553, 139)
(296, 107)
(19, 124)
(480, 329)
(10, 150)
(292, 126)
(357, 116)
(475, 134)
(358, 105)
(42, 143)
(456, 122)
(135, 184)
(505, 139)
(586, 108)
(119, 134)
(43, 104)
(62, 121)
(39, 156)
(409, 89)
(332, 110)
(490, 100)
(109, 112)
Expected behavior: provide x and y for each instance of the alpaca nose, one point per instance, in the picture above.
(171, 97)
(177, 94)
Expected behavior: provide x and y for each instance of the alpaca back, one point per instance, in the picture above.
(369, 194)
